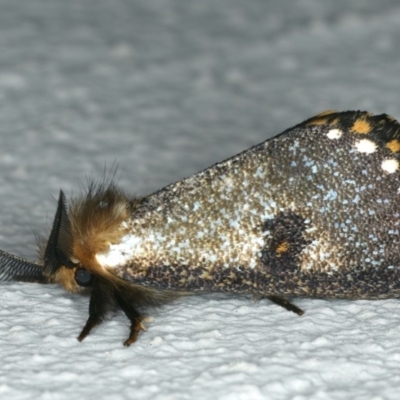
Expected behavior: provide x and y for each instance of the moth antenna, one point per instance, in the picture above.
(60, 244)
(13, 268)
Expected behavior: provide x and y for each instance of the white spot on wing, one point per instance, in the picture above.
(121, 253)
(334, 134)
(366, 146)
(390, 166)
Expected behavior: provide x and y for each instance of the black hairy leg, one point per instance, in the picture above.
(101, 302)
(133, 316)
(285, 304)
(104, 298)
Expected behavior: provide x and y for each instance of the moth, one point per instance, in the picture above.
(312, 212)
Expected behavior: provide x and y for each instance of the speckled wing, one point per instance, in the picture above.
(313, 211)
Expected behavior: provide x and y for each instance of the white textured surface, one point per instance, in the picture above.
(167, 87)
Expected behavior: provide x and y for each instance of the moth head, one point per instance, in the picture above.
(89, 225)
(78, 233)
(59, 264)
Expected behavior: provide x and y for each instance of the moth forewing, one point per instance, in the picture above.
(311, 212)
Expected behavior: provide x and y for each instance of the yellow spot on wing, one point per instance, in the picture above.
(361, 126)
(394, 145)
(284, 246)
(318, 121)
(326, 112)
(334, 122)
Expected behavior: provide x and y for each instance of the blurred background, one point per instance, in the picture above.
(164, 88)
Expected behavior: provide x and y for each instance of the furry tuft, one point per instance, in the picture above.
(97, 221)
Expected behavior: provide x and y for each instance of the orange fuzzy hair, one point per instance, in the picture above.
(97, 222)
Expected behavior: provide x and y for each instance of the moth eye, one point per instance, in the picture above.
(83, 277)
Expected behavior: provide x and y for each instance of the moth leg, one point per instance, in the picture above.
(100, 303)
(256, 298)
(90, 323)
(133, 316)
(285, 304)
